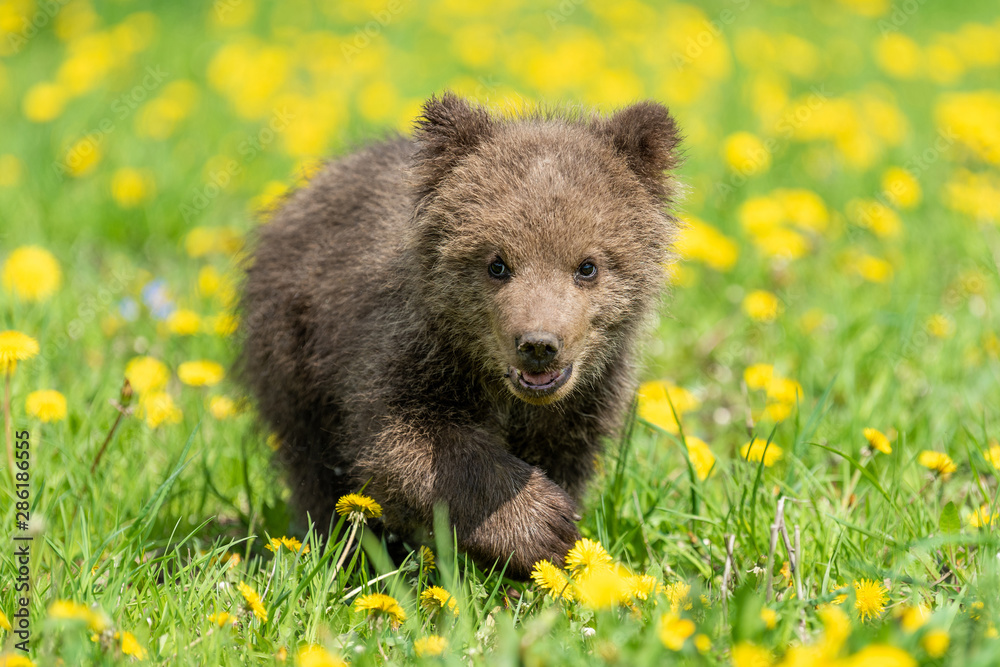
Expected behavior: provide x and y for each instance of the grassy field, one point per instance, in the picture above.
(811, 476)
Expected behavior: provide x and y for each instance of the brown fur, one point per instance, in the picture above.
(382, 352)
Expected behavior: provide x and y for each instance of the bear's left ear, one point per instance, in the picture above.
(646, 136)
(449, 130)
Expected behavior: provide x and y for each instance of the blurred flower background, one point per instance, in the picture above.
(831, 336)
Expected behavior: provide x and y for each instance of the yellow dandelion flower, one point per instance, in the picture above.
(131, 187)
(913, 617)
(130, 645)
(873, 269)
(836, 629)
(200, 373)
(317, 656)
(876, 216)
(222, 619)
(702, 458)
(83, 157)
(379, 604)
(898, 55)
(202, 241)
(701, 242)
(936, 643)
(289, 543)
(758, 450)
(901, 187)
(869, 598)
(746, 153)
(553, 580)
(14, 347)
(358, 508)
(770, 618)
(674, 631)
(601, 586)
(184, 322)
(430, 646)
(253, 600)
(939, 462)
(44, 101)
(777, 411)
(982, 517)
(746, 654)
(678, 593)
(4, 622)
(425, 557)
(68, 610)
(222, 407)
(784, 390)
(642, 586)
(437, 598)
(993, 455)
(878, 440)
(48, 405)
(158, 408)
(975, 610)
(209, 281)
(786, 572)
(146, 374)
(31, 273)
(224, 324)
(655, 399)
(14, 660)
(758, 376)
(762, 306)
(940, 326)
(702, 643)
(585, 555)
(882, 655)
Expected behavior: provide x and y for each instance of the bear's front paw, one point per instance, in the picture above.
(537, 524)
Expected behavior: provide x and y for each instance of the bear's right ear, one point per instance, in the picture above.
(449, 129)
(646, 136)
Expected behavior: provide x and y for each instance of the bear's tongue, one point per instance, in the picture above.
(539, 379)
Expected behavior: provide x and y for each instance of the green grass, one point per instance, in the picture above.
(145, 539)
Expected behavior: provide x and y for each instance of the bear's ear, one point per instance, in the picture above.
(449, 129)
(646, 136)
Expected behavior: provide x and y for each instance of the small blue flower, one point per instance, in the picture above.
(157, 299)
(128, 308)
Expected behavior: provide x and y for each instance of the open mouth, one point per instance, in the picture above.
(539, 384)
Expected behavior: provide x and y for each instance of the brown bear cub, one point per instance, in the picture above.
(453, 318)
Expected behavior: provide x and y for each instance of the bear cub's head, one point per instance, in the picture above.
(543, 236)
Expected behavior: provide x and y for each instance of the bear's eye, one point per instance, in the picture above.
(587, 270)
(498, 269)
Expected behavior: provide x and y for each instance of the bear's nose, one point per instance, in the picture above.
(537, 349)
